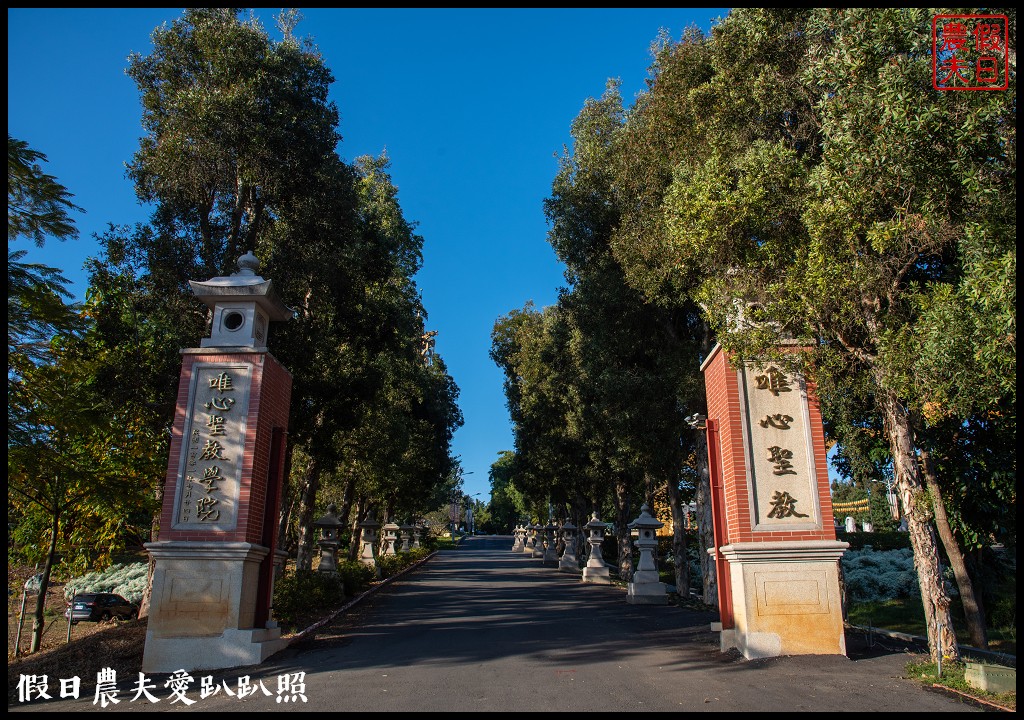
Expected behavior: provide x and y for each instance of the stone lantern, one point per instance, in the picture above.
(390, 531)
(537, 550)
(529, 539)
(520, 544)
(550, 544)
(368, 542)
(568, 563)
(404, 534)
(328, 541)
(596, 570)
(417, 530)
(646, 588)
(515, 539)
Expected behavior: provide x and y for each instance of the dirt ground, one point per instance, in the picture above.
(55, 628)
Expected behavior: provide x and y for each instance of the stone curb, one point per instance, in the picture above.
(356, 600)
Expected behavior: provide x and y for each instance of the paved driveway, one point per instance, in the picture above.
(480, 629)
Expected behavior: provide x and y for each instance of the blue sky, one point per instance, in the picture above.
(472, 106)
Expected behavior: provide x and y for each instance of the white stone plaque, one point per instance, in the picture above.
(783, 482)
(212, 448)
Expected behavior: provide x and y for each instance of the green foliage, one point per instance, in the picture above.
(393, 564)
(37, 208)
(878, 540)
(296, 592)
(507, 505)
(37, 205)
(355, 576)
(390, 565)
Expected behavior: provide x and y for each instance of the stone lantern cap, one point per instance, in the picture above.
(244, 285)
(645, 521)
(370, 523)
(551, 525)
(645, 525)
(330, 521)
(569, 527)
(596, 524)
(390, 526)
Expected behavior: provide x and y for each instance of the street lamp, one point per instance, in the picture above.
(470, 515)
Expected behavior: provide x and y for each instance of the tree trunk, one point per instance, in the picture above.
(622, 533)
(680, 561)
(287, 502)
(348, 499)
(705, 523)
(307, 505)
(914, 498)
(44, 584)
(357, 532)
(973, 613)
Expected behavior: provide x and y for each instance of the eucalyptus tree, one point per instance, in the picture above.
(637, 369)
(662, 128)
(507, 507)
(549, 465)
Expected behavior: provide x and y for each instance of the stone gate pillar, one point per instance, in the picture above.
(776, 549)
(214, 565)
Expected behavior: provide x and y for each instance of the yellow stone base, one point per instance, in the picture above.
(203, 606)
(785, 598)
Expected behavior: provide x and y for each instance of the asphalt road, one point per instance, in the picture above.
(480, 629)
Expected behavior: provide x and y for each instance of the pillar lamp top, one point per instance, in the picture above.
(243, 305)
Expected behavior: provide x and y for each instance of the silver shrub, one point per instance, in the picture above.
(877, 575)
(128, 581)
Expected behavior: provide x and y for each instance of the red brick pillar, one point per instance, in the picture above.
(214, 561)
(776, 548)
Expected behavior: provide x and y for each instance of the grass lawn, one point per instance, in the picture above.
(906, 615)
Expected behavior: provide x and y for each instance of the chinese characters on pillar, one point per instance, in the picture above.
(970, 52)
(214, 443)
(782, 473)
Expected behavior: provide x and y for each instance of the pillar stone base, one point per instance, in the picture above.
(787, 598)
(599, 575)
(204, 604)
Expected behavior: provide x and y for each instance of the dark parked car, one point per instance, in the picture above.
(96, 607)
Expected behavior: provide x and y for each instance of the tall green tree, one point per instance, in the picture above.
(239, 154)
(507, 507)
(74, 460)
(45, 424)
(636, 362)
